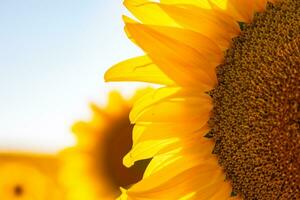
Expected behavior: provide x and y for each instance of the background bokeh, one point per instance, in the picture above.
(53, 55)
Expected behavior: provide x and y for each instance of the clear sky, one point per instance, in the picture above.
(53, 55)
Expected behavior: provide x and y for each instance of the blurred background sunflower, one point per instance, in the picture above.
(52, 57)
(93, 168)
(29, 176)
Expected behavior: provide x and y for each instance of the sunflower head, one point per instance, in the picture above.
(27, 177)
(225, 124)
(93, 168)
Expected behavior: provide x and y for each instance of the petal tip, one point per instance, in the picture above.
(128, 161)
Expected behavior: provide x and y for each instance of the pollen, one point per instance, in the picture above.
(255, 121)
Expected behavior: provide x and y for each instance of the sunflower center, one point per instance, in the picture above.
(256, 118)
(119, 143)
(18, 190)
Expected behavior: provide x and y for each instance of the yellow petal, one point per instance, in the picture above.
(148, 149)
(177, 182)
(173, 57)
(200, 3)
(238, 9)
(149, 12)
(224, 191)
(154, 97)
(242, 11)
(179, 174)
(207, 49)
(186, 110)
(137, 69)
(159, 162)
(215, 25)
(145, 148)
(167, 94)
(195, 151)
(139, 93)
(155, 131)
(160, 105)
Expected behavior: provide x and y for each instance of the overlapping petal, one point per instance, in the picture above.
(191, 174)
(213, 24)
(173, 57)
(158, 130)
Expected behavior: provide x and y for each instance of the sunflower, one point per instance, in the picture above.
(225, 123)
(93, 169)
(29, 176)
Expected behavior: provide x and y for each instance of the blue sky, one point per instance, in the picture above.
(53, 55)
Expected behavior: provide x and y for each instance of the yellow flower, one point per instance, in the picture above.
(93, 168)
(29, 177)
(226, 122)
